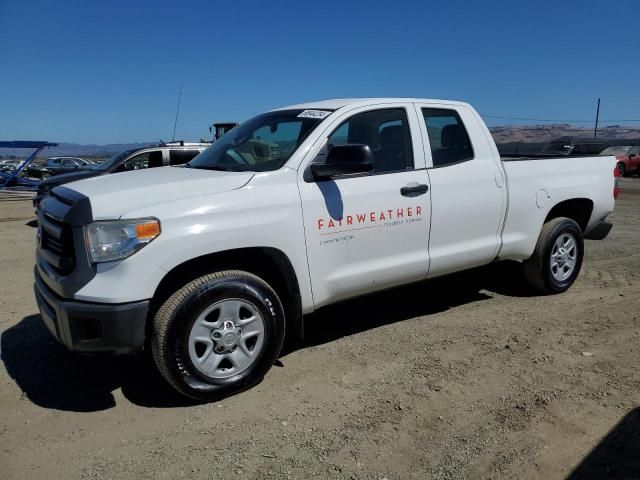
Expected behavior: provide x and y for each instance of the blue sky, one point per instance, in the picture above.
(110, 71)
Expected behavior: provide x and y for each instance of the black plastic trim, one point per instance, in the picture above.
(599, 231)
(87, 327)
(65, 209)
(445, 165)
(512, 157)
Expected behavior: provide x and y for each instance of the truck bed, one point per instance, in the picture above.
(536, 186)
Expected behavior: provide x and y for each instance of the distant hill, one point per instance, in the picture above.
(509, 134)
(76, 150)
(545, 133)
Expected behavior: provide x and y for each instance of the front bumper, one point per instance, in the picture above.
(38, 199)
(88, 327)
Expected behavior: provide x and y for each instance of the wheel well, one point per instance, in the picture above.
(270, 264)
(577, 209)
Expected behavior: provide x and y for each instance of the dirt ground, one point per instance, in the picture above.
(465, 377)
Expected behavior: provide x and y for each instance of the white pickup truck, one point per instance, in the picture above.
(213, 264)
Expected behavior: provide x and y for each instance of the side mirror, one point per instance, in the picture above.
(344, 160)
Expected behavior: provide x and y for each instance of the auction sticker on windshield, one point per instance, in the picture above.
(314, 114)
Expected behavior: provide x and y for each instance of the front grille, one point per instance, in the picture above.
(57, 244)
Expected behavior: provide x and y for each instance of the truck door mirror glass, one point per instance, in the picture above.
(344, 160)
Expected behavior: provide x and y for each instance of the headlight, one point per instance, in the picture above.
(117, 239)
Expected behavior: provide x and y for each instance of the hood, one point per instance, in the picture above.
(112, 196)
(80, 174)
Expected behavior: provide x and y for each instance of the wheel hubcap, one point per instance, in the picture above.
(226, 338)
(563, 257)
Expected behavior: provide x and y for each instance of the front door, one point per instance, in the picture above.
(369, 231)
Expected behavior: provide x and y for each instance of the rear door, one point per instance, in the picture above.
(362, 232)
(468, 191)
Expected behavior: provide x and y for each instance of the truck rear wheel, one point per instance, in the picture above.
(218, 335)
(557, 258)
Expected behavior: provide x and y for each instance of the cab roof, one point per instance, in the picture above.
(336, 103)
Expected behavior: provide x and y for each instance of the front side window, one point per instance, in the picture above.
(387, 134)
(113, 161)
(261, 144)
(447, 136)
(142, 160)
(136, 162)
(68, 163)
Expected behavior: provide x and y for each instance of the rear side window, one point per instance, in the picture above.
(179, 157)
(448, 138)
(387, 134)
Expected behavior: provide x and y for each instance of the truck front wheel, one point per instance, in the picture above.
(218, 335)
(557, 258)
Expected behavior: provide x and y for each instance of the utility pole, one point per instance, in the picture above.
(595, 130)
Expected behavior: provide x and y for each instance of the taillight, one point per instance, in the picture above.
(616, 182)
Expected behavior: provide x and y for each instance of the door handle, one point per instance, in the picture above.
(413, 190)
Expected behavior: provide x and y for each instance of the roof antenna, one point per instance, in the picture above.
(175, 123)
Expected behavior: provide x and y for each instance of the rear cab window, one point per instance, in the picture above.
(448, 137)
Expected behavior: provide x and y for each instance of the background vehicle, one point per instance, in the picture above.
(628, 158)
(56, 166)
(574, 146)
(293, 210)
(219, 129)
(174, 153)
(9, 165)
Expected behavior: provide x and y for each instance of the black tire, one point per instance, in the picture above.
(622, 169)
(537, 269)
(173, 321)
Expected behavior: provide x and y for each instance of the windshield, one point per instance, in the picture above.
(113, 161)
(261, 144)
(616, 151)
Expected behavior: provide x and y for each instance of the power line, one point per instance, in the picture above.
(505, 117)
